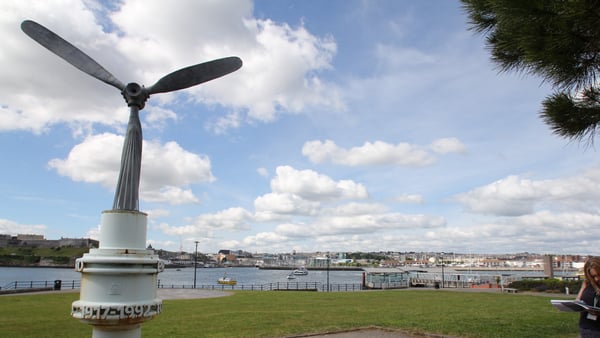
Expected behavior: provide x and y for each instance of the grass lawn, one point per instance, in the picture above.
(277, 314)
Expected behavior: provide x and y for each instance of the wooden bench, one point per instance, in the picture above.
(510, 290)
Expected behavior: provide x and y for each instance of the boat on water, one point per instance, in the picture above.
(301, 271)
(291, 276)
(226, 280)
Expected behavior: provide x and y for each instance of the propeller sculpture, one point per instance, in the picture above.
(127, 192)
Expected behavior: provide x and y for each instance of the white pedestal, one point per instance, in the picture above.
(119, 279)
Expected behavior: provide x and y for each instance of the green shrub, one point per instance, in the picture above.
(546, 285)
(32, 259)
(60, 259)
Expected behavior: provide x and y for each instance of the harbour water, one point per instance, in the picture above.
(248, 276)
(185, 276)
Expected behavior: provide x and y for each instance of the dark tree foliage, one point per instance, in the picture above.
(558, 40)
(366, 255)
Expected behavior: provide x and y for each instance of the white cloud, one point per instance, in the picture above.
(157, 117)
(448, 145)
(376, 113)
(280, 71)
(232, 243)
(364, 219)
(264, 240)
(232, 219)
(171, 195)
(294, 230)
(353, 209)
(568, 232)
(294, 193)
(13, 228)
(369, 223)
(232, 120)
(95, 160)
(170, 165)
(285, 203)
(397, 58)
(378, 153)
(311, 185)
(343, 232)
(153, 214)
(280, 62)
(511, 196)
(410, 198)
(138, 43)
(514, 195)
(93, 233)
(167, 169)
(41, 89)
(263, 172)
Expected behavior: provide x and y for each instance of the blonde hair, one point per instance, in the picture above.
(592, 263)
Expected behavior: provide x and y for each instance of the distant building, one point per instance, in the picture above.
(385, 278)
(39, 241)
(28, 237)
(549, 266)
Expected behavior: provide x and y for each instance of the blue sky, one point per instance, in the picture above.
(353, 125)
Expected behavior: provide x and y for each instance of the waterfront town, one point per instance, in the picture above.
(387, 259)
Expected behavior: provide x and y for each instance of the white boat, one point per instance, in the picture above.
(301, 272)
(291, 275)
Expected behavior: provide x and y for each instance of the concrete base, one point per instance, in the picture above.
(103, 332)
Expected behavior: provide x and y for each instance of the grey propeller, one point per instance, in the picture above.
(69, 53)
(179, 79)
(197, 74)
(127, 192)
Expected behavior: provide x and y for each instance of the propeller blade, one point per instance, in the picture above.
(197, 74)
(69, 53)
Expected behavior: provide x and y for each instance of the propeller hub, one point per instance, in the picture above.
(135, 95)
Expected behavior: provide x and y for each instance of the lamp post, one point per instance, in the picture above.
(195, 263)
(327, 271)
(442, 270)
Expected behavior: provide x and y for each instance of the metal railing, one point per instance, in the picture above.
(44, 284)
(417, 279)
(278, 286)
(424, 279)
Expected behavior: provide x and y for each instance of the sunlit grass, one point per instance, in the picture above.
(276, 314)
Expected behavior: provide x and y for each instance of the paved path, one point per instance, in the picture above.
(371, 333)
(190, 293)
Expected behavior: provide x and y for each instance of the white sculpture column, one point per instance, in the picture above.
(119, 279)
